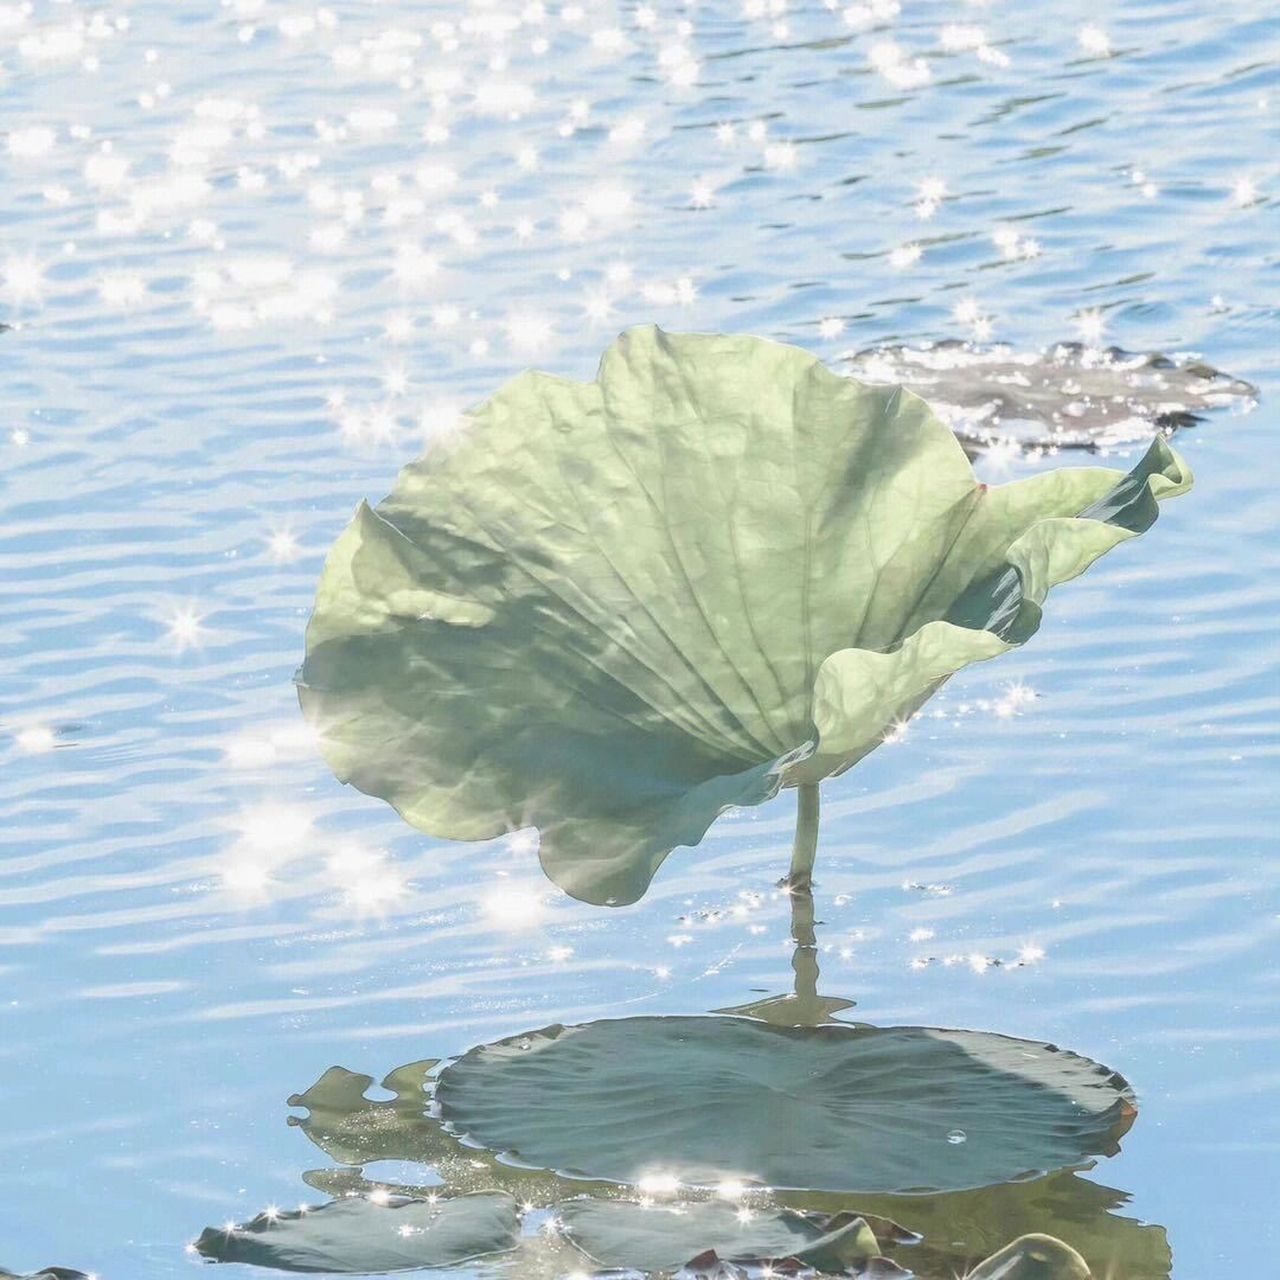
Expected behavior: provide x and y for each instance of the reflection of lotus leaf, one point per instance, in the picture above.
(358, 1236)
(612, 609)
(839, 1108)
(652, 1237)
(1033, 1257)
(1069, 395)
(49, 1273)
(961, 1229)
(356, 1130)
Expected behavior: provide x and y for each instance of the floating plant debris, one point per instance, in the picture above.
(1067, 396)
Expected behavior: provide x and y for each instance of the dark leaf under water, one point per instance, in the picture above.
(1067, 396)
(49, 1273)
(703, 1100)
(658, 1237)
(1033, 1257)
(941, 1235)
(360, 1236)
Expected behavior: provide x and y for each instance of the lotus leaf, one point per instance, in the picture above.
(355, 1130)
(654, 1237)
(358, 1236)
(958, 1231)
(1033, 1257)
(49, 1273)
(1067, 396)
(837, 1108)
(610, 610)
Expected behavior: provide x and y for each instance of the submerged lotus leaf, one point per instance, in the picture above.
(839, 1108)
(611, 610)
(659, 1237)
(1067, 396)
(358, 1236)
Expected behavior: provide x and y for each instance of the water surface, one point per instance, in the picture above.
(255, 253)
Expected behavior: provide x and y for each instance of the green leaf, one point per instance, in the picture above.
(656, 1237)
(962, 1229)
(838, 1108)
(355, 1130)
(611, 610)
(360, 1236)
(1033, 1257)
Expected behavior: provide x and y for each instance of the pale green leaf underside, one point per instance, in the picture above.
(610, 610)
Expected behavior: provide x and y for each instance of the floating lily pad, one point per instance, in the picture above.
(1067, 396)
(360, 1236)
(839, 1108)
(610, 610)
(658, 1237)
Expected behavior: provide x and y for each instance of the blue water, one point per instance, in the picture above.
(218, 350)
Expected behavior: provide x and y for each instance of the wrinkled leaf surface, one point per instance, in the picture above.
(611, 610)
(838, 1108)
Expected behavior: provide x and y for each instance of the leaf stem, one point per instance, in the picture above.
(805, 848)
(800, 884)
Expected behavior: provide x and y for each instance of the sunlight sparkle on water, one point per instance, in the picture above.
(528, 331)
(1092, 325)
(273, 828)
(283, 545)
(658, 1184)
(515, 906)
(900, 70)
(184, 628)
(35, 739)
(1244, 192)
(1094, 41)
(22, 280)
(366, 879)
(122, 289)
(904, 256)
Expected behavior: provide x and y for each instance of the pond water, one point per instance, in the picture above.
(255, 254)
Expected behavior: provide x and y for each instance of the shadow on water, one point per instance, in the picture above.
(772, 1129)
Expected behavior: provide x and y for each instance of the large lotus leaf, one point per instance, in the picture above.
(658, 1237)
(360, 1236)
(612, 609)
(1066, 396)
(839, 1108)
